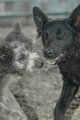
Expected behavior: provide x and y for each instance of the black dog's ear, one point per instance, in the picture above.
(75, 18)
(40, 19)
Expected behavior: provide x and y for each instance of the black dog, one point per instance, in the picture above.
(61, 40)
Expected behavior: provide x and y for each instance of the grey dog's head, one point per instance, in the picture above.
(16, 53)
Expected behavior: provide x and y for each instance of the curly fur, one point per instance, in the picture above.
(16, 57)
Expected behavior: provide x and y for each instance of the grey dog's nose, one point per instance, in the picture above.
(48, 52)
(41, 64)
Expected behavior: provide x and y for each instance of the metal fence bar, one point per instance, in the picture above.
(15, 7)
(15, 0)
(36, 3)
(29, 14)
(52, 6)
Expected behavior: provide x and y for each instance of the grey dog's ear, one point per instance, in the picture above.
(16, 30)
(75, 18)
(40, 19)
(17, 27)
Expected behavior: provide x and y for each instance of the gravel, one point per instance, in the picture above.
(37, 94)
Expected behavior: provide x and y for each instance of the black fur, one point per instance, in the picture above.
(62, 37)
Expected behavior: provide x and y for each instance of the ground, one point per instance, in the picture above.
(38, 93)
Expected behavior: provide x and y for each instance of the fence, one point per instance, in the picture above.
(20, 8)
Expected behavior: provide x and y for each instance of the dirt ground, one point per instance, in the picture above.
(38, 93)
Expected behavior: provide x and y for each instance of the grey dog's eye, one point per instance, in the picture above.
(22, 57)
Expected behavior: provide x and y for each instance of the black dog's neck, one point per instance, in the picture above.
(74, 50)
(64, 55)
(70, 66)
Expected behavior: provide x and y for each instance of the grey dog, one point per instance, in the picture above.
(16, 56)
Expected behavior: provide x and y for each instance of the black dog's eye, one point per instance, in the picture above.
(61, 35)
(22, 57)
(45, 36)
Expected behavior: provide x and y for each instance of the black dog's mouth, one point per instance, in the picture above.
(58, 59)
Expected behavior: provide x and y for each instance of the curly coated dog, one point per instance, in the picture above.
(61, 41)
(16, 57)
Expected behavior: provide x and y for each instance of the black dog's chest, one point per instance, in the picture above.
(70, 69)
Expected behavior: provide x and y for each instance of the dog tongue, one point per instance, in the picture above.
(56, 60)
(52, 61)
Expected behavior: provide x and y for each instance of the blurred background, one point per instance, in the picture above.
(38, 94)
(10, 9)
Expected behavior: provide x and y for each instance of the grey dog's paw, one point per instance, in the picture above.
(8, 114)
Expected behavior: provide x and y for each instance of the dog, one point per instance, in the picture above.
(61, 41)
(16, 57)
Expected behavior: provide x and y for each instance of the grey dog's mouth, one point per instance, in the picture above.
(56, 60)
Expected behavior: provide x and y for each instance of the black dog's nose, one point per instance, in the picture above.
(48, 52)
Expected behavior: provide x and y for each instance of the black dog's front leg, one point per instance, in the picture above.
(68, 92)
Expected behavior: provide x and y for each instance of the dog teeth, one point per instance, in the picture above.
(60, 55)
(52, 61)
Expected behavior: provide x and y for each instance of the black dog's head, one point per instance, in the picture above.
(58, 36)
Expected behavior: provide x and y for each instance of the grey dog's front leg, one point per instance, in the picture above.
(68, 92)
